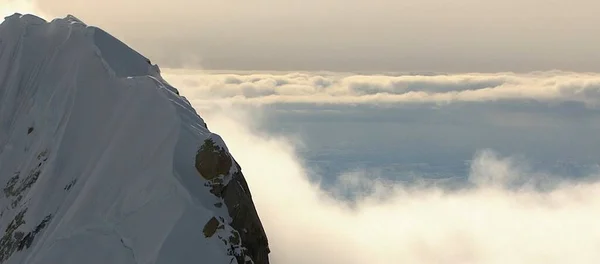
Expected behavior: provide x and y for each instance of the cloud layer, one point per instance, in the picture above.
(333, 88)
(392, 223)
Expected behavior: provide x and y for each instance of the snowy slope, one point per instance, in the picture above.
(101, 160)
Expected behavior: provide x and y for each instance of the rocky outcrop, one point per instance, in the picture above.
(212, 160)
(226, 181)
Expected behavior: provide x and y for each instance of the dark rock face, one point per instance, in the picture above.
(245, 218)
(15, 240)
(212, 160)
(214, 163)
(211, 227)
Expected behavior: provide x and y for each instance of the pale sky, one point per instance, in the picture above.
(351, 35)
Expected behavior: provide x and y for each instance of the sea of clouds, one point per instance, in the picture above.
(502, 218)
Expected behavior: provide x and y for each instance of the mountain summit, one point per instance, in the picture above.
(102, 161)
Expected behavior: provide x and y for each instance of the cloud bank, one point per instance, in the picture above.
(334, 88)
(391, 223)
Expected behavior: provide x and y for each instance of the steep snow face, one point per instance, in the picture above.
(101, 160)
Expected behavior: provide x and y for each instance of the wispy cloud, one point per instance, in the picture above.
(502, 219)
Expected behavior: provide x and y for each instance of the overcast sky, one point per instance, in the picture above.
(351, 35)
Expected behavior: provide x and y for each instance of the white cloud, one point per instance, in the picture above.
(330, 88)
(488, 224)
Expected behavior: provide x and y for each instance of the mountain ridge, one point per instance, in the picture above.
(102, 161)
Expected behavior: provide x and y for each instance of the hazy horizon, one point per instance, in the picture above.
(335, 35)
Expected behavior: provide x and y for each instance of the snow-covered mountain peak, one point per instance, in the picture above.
(102, 161)
(73, 19)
